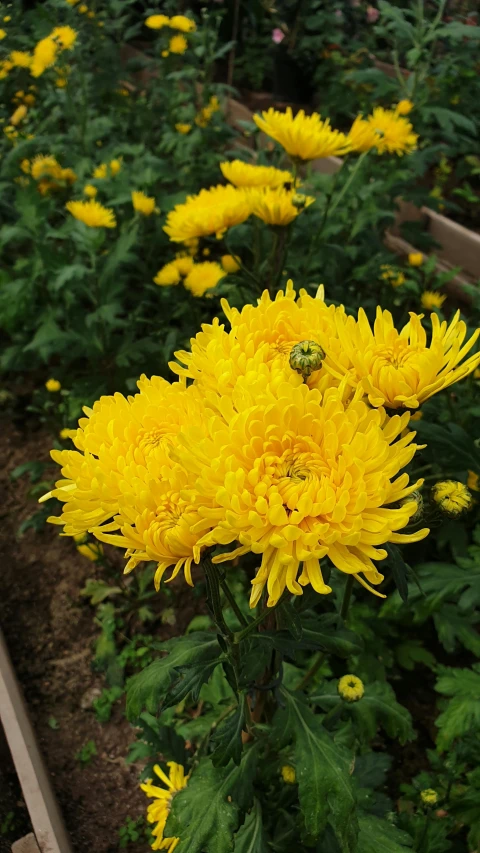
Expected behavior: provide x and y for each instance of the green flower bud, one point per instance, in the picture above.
(306, 357)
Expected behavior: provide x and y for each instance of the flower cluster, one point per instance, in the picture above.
(275, 440)
(49, 174)
(178, 44)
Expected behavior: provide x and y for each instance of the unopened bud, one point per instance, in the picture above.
(452, 497)
(306, 357)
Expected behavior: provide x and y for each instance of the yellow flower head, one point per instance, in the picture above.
(159, 810)
(242, 174)
(452, 497)
(183, 263)
(303, 137)
(92, 213)
(7, 18)
(182, 23)
(168, 275)
(25, 166)
(204, 116)
(44, 56)
(404, 107)
(401, 369)
(395, 133)
(415, 259)
(68, 175)
(203, 277)
(362, 135)
(30, 100)
(275, 206)
(115, 166)
(143, 203)
(229, 264)
(393, 276)
(20, 58)
(472, 481)
(93, 551)
(288, 774)
(126, 487)
(178, 44)
(19, 115)
(90, 191)
(100, 172)
(165, 53)
(53, 385)
(83, 9)
(351, 688)
(3, 34)
(45, 166)
(157, 22)
(65, 37)
(182, 127)
(212, 211)
(431, 299)
(429, 797)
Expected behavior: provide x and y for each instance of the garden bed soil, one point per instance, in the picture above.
(50, 631)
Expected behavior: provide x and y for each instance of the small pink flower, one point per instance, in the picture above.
(355, 4)
(277, 35)
(372, 14)
(338, 14)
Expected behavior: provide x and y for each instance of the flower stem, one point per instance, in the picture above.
(233, 604)
(317, 663)
(348, 182)
(346, 597)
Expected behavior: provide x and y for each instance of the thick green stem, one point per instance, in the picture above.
(240, 635)
(346, 597)
(348, 182)
(213, 586)
(233, 604)
(317, 663)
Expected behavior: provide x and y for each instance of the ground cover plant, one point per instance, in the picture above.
(298, 460)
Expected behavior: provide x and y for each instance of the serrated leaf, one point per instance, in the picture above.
(227, 739)
(148, 690)
(399, 570)
(251, 837)
(462, 714)
(321, 632)
(411, 652)
(323, 771)
(371, 769)
(453, 626)
(206, 814)
(379, 836)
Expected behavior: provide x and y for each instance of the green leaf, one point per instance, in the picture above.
(251, 837)
(97, 591)
(227, 739)
(452, 441)
(462, 714)
(379, 836)
(188, 664)
(411, 652)
(323, 772)
(321, 633)
(399, 570)
(209, 810)
(67, 273)
(120, 254)
(453, 626)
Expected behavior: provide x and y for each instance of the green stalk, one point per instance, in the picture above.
(347, 184)
(346, 597)
(233, 604)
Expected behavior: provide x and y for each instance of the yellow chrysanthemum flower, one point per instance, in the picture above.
(3, 34)
(400, 369)
(275, 206)
(168, 275)
(158, 811)
(303, 137)
(45, 166)
(182, 23)
(18, 116)
(362, 136)
(229, 264)
(429, 797)
(289, 485)
(20, 58)
(431, 299)
(53, 385)
(92, 213)
(125, 487)
(203, 277)
(115, 166)
(242, 174)
(182, 127)
(212, 211)
(26, 166)
(83, 9)
(157, 22)
(415, 259)
(64, 36)
(288, 774)
(395, 133)
(44, 56)
(183, 263)
(404, 107)
(351, 688)
(100, 172)
(260, 343)
(178, 44)
(90, 191)
(452, 497)
(144, 204)
(204, 116)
